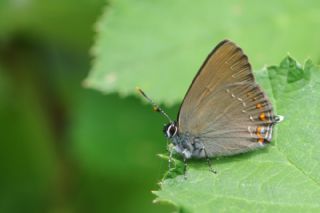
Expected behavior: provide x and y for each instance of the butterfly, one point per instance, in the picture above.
(224, 112)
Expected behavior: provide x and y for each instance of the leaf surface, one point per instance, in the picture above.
(285, 177)
(159, 45)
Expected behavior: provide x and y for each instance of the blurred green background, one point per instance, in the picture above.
(65, 148)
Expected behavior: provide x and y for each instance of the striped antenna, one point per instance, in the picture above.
(156, 108)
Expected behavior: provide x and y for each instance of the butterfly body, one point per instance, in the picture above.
(188, 146)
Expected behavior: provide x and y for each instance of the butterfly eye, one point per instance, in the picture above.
(170, 130)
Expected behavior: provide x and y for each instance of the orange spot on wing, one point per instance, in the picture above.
(259, 131)
(260, 140)
(259, 106)
(262, 116)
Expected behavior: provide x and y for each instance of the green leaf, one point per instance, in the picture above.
(285, 177)
(160, 45)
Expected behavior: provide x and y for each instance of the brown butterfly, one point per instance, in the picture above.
(224, 112)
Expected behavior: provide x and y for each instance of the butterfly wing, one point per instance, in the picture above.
(224, 108)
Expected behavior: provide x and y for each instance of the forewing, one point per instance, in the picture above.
(224, 107)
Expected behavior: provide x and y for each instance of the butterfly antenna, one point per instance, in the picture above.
(156, 108)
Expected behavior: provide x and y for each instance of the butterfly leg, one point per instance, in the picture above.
(185, 168)
(171, 151)
(208, 161)
(170, 159)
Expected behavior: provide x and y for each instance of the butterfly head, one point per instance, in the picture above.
(170, 130)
